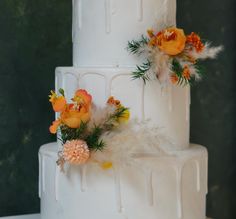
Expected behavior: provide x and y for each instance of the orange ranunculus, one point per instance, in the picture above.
(53, 128)
(171, 41)
(58, 102)
(195, 40)
(82, 97)
(73, 118)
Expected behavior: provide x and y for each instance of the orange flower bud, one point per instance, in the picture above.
(186, 72)
(53, 128)
(112, 101)
(174, 78)
(59, 104)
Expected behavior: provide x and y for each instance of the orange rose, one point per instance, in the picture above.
(171, 41)
(73, 118)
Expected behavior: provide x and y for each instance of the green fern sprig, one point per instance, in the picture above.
(72, 133)
(93, 139)
(141, 71)
(178, 70)
(135, 46)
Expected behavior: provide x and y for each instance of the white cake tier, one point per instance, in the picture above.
(167, 108)
(102, 28)
(166, 187)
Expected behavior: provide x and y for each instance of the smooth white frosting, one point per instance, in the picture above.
(102, 28)
(167, 187)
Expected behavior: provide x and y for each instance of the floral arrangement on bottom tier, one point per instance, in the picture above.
(171, 56)
(100, 135)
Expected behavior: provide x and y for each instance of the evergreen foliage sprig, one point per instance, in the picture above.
(135, 46)
(92, 136)
(177, 68)
(141, 71)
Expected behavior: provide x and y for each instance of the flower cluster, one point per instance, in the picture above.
(73, 114)
(81, 126)
(172, 56)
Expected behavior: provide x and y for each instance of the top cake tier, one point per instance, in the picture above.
(102, 28)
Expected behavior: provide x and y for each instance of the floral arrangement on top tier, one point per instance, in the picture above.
(171, 56)
(81, 125)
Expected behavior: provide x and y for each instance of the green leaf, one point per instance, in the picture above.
(135, 46)
(62, 92)
(141, 71)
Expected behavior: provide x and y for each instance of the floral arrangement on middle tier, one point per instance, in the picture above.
(171, 56)
(81, 125)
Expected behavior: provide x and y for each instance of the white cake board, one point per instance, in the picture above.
(29, 216)
(33, 216)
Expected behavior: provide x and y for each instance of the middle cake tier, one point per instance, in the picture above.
(166, 107)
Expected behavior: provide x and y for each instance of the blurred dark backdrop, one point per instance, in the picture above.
(35, 37)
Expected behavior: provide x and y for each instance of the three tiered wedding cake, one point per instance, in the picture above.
(171, 184)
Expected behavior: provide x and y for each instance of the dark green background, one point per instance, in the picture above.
(35, 37)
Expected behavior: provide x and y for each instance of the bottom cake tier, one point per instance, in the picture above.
(165, 187)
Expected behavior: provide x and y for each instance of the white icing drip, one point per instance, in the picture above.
(56, 185)
(165, 11)
(83, 180)
(76, 21)
(178, 171)
(162, 91)
(108, 87)
(113, 7)
(108, 15)
(149, 188)
(43, 174)
(140, 10)
(118, 189)
(173, 13)
(187, 101)
(80, 14)
(142, 102)
(170, 105)
(198, 175)
(40, 175)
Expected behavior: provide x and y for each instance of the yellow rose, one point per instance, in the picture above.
(171, 41)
